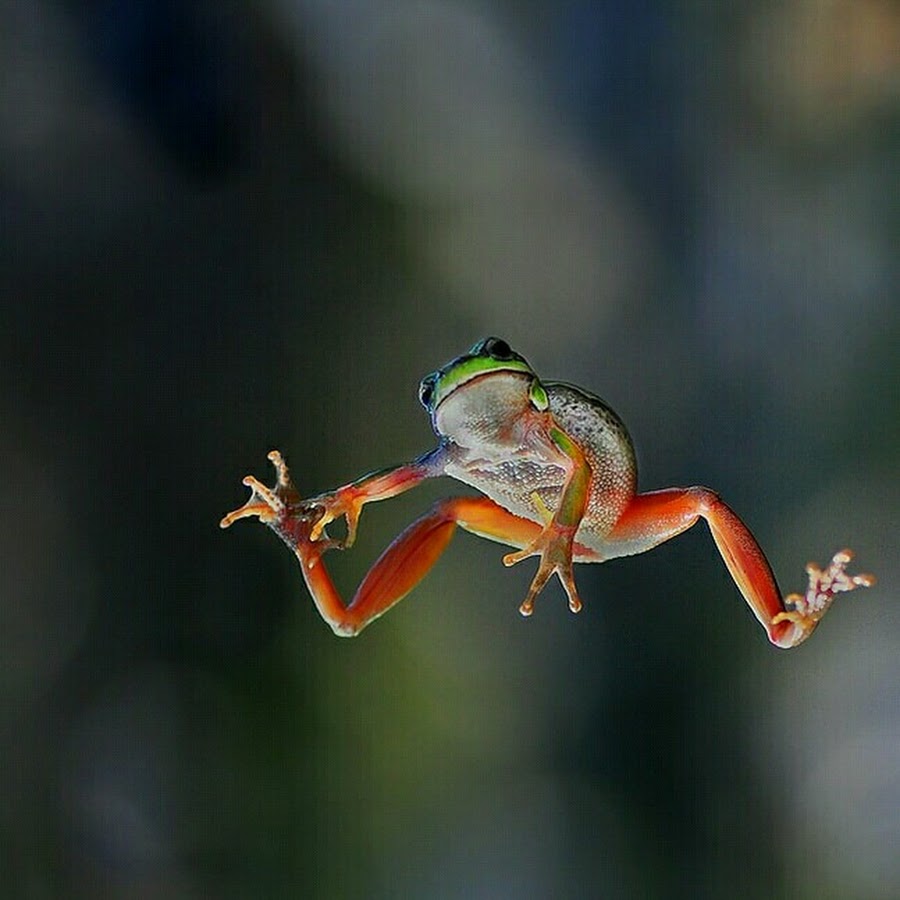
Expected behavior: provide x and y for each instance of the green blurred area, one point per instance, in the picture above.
(235, 227)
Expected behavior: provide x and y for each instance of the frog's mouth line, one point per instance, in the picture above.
(478, 374)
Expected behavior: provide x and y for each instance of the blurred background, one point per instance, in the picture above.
(228, 227)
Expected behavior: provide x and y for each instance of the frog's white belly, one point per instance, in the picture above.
(514, 484)
(528, 484)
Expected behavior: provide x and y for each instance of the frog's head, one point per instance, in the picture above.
(483, 394)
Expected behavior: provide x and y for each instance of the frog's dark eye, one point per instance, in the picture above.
(498, 349)
(426, 390)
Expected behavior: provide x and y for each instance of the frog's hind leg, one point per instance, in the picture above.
(407, 560)
(652, 518)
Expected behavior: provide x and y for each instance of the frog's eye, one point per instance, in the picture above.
(426, 389)
(498, 349)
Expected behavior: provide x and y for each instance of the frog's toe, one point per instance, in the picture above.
(284, 482)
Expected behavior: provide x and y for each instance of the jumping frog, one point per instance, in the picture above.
(557, 468)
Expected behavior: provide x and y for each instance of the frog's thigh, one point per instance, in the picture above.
(655, 517)
(483, 517)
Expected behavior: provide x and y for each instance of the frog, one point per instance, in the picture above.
(555, 473)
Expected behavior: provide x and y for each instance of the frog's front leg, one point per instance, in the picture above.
(294, 519)
(554, 543)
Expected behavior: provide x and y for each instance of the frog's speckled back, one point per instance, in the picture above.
(606, 443)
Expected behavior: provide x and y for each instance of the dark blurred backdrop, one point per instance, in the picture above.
(233, 226)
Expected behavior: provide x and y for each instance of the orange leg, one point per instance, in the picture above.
(406, 561)
(403, 564)
(655, 517)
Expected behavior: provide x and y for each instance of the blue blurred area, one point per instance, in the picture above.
(177, 68)
(624, 79)
(234, 227)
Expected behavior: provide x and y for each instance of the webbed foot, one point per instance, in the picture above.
(266, 503)
(824, 586)
(294, 520)
(554, 546)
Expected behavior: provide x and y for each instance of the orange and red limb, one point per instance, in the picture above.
(652, 518)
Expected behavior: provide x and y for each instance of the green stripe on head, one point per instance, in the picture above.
(469, 367)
